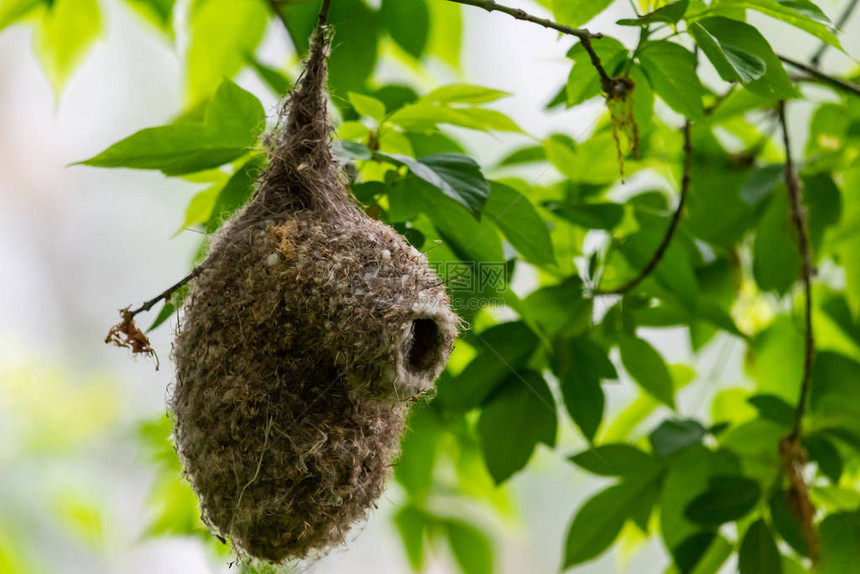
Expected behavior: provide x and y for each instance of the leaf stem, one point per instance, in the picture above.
(649, 268)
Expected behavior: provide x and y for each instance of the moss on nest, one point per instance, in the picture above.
(303, 339)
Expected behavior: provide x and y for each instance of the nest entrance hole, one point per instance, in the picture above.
(423, 346)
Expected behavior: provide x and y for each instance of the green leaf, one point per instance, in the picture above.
(419, 451)
(222, 32)
(560, 309)
(734, 64)
(692, 550)
(762, 182)
(728, 498)
(516, 217)
(408, 23)
(599, 521)
(675, 435)
(823, 452)
(758, 553)
(577, 12)
(688, 475)
(411, 523)
(776, 265)
(647, 368)
(457, 176)
(425, 116)
(446, 32)
(66, 32)
(519, 415)
(580, 364)
(671, 13)
(464, 94)
(785, 522)
(740, 53)
(367, 106)
(604, 216)
(840, 542)
(471, 547)
(616, 460)
(12, 11)
(773, 408)
(159, 12)
(584, 82)
(233, 121)
(276, 80)
(235, 193)
(500, 349)
(671, 69)
(803, 15)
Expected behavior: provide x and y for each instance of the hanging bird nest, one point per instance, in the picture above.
(304, 338)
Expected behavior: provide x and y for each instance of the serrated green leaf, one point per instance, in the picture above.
(758, 553)
(65, 33)
(732, 63)
(222, 32)
(671, 69)
(518, 415)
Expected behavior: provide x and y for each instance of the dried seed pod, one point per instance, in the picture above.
(305, 335)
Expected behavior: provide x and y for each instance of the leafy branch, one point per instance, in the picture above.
(790, 448)
(652, 264)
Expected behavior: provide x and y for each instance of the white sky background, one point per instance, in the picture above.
(76, 243)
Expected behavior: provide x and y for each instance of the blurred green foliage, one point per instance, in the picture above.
(730, 273)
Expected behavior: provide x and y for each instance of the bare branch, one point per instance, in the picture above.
(793, 454)
(585, 37)
(838, 83)
(686, 179)
(815, 60)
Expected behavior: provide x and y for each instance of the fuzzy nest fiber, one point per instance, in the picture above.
(305, 335)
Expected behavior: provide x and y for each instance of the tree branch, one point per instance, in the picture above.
(127, 335)
(838, 83)
(686, 179)
(815, 60)
(798, 218)
(791, 450)
(585, 37)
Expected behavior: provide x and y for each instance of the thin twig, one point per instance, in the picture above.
(164, 296)
(838, 83)
(791, 450)
(815, 60)
(585, 37)
(686, 179)
(798, 218)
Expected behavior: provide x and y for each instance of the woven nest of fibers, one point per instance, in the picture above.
(305, 335)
